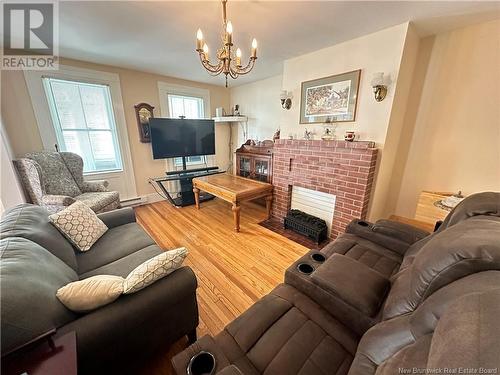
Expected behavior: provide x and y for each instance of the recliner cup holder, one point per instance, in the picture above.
(317, 257)
(202, 363)
(363, 223)
(305, 268)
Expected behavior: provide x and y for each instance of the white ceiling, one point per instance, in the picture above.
(159, 37)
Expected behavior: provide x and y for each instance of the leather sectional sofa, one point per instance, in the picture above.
(384, 298)
(36, 260)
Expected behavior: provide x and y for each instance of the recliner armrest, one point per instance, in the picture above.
(393, 235)
(118, 217)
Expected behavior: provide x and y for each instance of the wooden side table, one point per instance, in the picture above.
(43, 358)
(427, 211)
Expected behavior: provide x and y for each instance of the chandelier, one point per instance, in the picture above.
(228, 62)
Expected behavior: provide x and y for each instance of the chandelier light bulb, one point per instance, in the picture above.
(229, 27)
(205, 49)
(238, 52)
(254, 43)
(199, 35)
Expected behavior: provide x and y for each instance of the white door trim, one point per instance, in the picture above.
(47, 132)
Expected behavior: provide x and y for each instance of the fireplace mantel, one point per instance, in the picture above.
(344, 169)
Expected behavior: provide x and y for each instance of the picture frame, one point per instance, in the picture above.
(330, 99)
(143, 112)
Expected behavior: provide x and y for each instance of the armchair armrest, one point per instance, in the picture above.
(118, 217)
(57, 200)
(95, 186)
(393, 235)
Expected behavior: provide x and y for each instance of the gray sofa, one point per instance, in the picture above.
(36, 260)
(382, 299)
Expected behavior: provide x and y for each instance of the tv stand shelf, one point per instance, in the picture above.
(185, 178)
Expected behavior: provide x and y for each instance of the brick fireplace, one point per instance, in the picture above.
(343, 169)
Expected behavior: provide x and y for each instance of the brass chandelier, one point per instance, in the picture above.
(228, 62)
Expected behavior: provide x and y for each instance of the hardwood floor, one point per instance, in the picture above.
(233, 269)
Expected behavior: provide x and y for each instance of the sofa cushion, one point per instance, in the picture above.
(30, 277)
(98, 200)
(123, 266)
(467, 247)
(32, 222)
(467, 334)
(481, 204)
(80, 225)
(116, 243)
(56, 177)
(287, 333)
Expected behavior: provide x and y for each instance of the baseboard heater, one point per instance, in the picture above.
(132, 202)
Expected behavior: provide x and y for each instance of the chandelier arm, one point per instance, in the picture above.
(247, 68)
(212, 69)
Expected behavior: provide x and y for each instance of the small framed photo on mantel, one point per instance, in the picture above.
(332, 99)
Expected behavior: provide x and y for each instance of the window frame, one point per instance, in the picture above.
(56, 122)
(123, 181)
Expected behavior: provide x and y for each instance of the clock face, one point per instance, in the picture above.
(144, 115)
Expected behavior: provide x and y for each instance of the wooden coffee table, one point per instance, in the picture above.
(233, 189)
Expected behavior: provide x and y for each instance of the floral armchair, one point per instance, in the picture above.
(54, 180)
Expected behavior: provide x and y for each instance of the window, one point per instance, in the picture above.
(188, 107)
(83, 120)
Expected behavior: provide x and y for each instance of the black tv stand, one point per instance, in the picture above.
(185, 178)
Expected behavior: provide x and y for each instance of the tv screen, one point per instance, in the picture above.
(171, 138)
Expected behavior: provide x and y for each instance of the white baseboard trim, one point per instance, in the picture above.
(152, 198)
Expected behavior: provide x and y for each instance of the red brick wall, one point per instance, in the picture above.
(345, 169)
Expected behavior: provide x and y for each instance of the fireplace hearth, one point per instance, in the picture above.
(307, 225)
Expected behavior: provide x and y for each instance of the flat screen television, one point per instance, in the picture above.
(172, 138)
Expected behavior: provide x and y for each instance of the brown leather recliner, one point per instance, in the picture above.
(386, 299)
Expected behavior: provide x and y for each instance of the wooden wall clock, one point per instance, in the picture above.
(143, 113)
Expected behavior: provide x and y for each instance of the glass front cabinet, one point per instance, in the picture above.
(255, 161)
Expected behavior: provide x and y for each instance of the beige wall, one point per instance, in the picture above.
(136, 87)
(455, 144)
(385, 51)
(260, 102)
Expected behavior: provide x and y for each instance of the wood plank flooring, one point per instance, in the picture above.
(233, 269)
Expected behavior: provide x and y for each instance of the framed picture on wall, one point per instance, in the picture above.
(333, 98)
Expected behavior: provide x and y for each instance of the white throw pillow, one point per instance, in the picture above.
(154, 269)
(91, 293)
(79, 224)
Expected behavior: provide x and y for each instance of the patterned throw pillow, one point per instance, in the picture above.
(154, 269)
(79, 224)
(91, 293)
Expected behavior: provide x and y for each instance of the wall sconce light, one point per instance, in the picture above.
(286, 99)
(379, 88)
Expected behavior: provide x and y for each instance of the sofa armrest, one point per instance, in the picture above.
(136, 325)
(230, 370)
(392, 235)
(118, 217)
(57, 200)
(95, 186)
